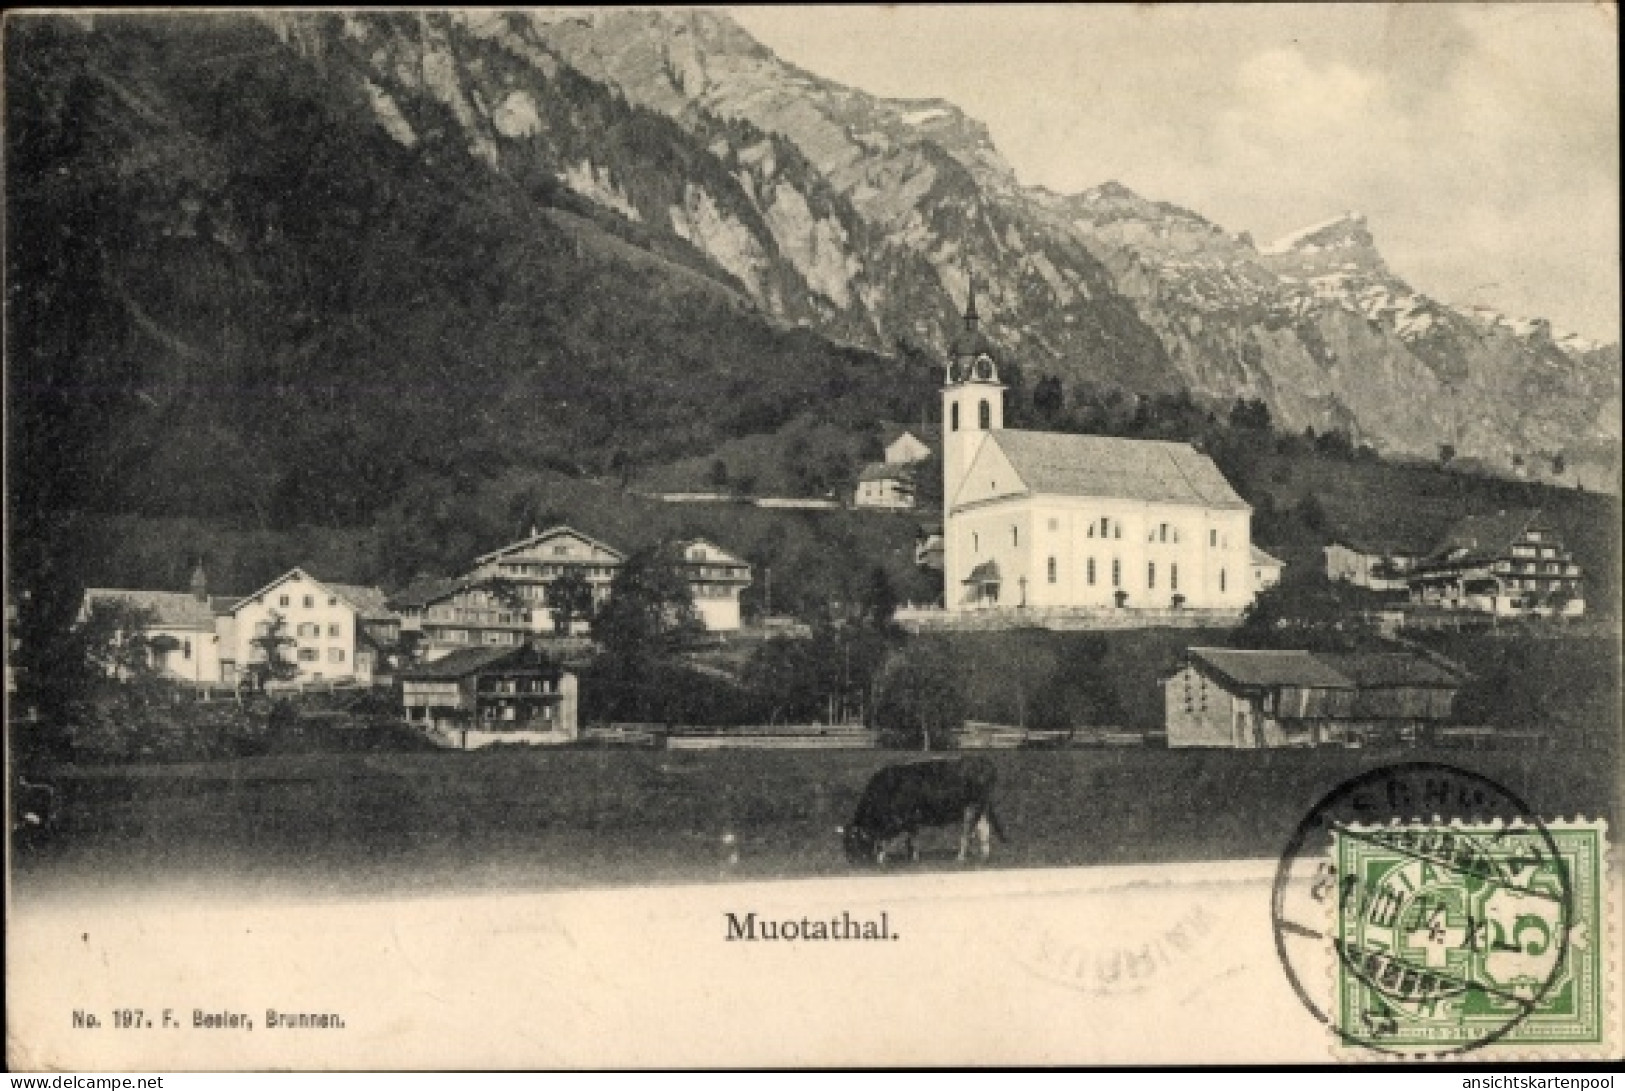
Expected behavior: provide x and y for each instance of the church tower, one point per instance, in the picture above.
(972, 400)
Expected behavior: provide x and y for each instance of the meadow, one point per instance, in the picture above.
(359, 826)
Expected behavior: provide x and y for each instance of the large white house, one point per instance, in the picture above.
(1040, 519)
(337, 631)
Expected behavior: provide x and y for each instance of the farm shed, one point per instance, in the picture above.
(1251, 699)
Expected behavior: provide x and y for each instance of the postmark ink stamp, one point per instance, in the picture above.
(1424, 911)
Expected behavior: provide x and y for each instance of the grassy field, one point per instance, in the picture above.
(345, 826)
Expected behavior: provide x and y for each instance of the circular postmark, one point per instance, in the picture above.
(1421, 909)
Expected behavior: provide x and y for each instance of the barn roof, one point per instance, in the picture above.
(1272, 668)
(1379, 669)
(1059, 463)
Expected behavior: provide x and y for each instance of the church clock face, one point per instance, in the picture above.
(984, 367)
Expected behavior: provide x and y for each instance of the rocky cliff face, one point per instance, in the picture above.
(1101, 286)
(813, 204)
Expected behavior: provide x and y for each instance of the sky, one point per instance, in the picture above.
(1480, 141)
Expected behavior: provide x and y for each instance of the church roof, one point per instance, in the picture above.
(1062, 464)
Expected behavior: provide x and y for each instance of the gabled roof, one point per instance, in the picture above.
(542, 536)
(1272, 668)
(928, 434)
(367, 602)
(170, 609)
(427, 589)
(1489, 536)
(716, 554)
(467, 661)
(1063, 464)
(1259, 557)
(886, 471)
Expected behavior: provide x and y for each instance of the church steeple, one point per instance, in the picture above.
(972, 398)
(971, 317)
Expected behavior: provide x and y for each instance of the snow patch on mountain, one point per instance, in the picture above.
(920, 117)
(1305, 238)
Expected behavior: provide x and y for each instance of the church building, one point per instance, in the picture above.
(1055, 520)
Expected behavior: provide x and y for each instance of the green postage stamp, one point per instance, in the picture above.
(1461, 937)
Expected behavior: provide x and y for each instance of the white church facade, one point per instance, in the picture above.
(1043, 520)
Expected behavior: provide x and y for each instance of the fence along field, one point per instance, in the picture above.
(395, 823)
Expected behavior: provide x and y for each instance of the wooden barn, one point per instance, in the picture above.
(1253, 699)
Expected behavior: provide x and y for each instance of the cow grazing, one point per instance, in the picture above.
(900, 799)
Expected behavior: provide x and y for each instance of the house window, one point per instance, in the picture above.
(1105, 526)
(984, 416)
(1091, 569)
(1212, 538)
(308, 655)
(1117, 572)
(1015, 536)
(332, 600)
(1151, 574)
(1221, 579)
(1052, 570)
(307, 629)
(1173, 577)
(335, 629)
(283, 600)
(310, 601)
(975, 543)
(561, 551)
(953, 414)
(335, 655)
(186, 649)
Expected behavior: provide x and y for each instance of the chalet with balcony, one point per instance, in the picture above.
(452, 614)
(1510, 563)
(478, 697)
(531, 565)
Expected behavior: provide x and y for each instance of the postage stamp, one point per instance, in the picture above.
(1480, 930)
(1454, 937)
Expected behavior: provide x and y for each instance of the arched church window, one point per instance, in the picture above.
(953, 412)
(984, 416)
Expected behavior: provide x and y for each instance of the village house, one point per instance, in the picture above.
(337, 631)
(1266, 570)
(1227, 697)
(1503, 564)
(532, 564)
(885, 485)
(478, 697)
(450, 614)
(928, 546)
(190, 635)
(715, 580)
(908, 445)
(1378, 565)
